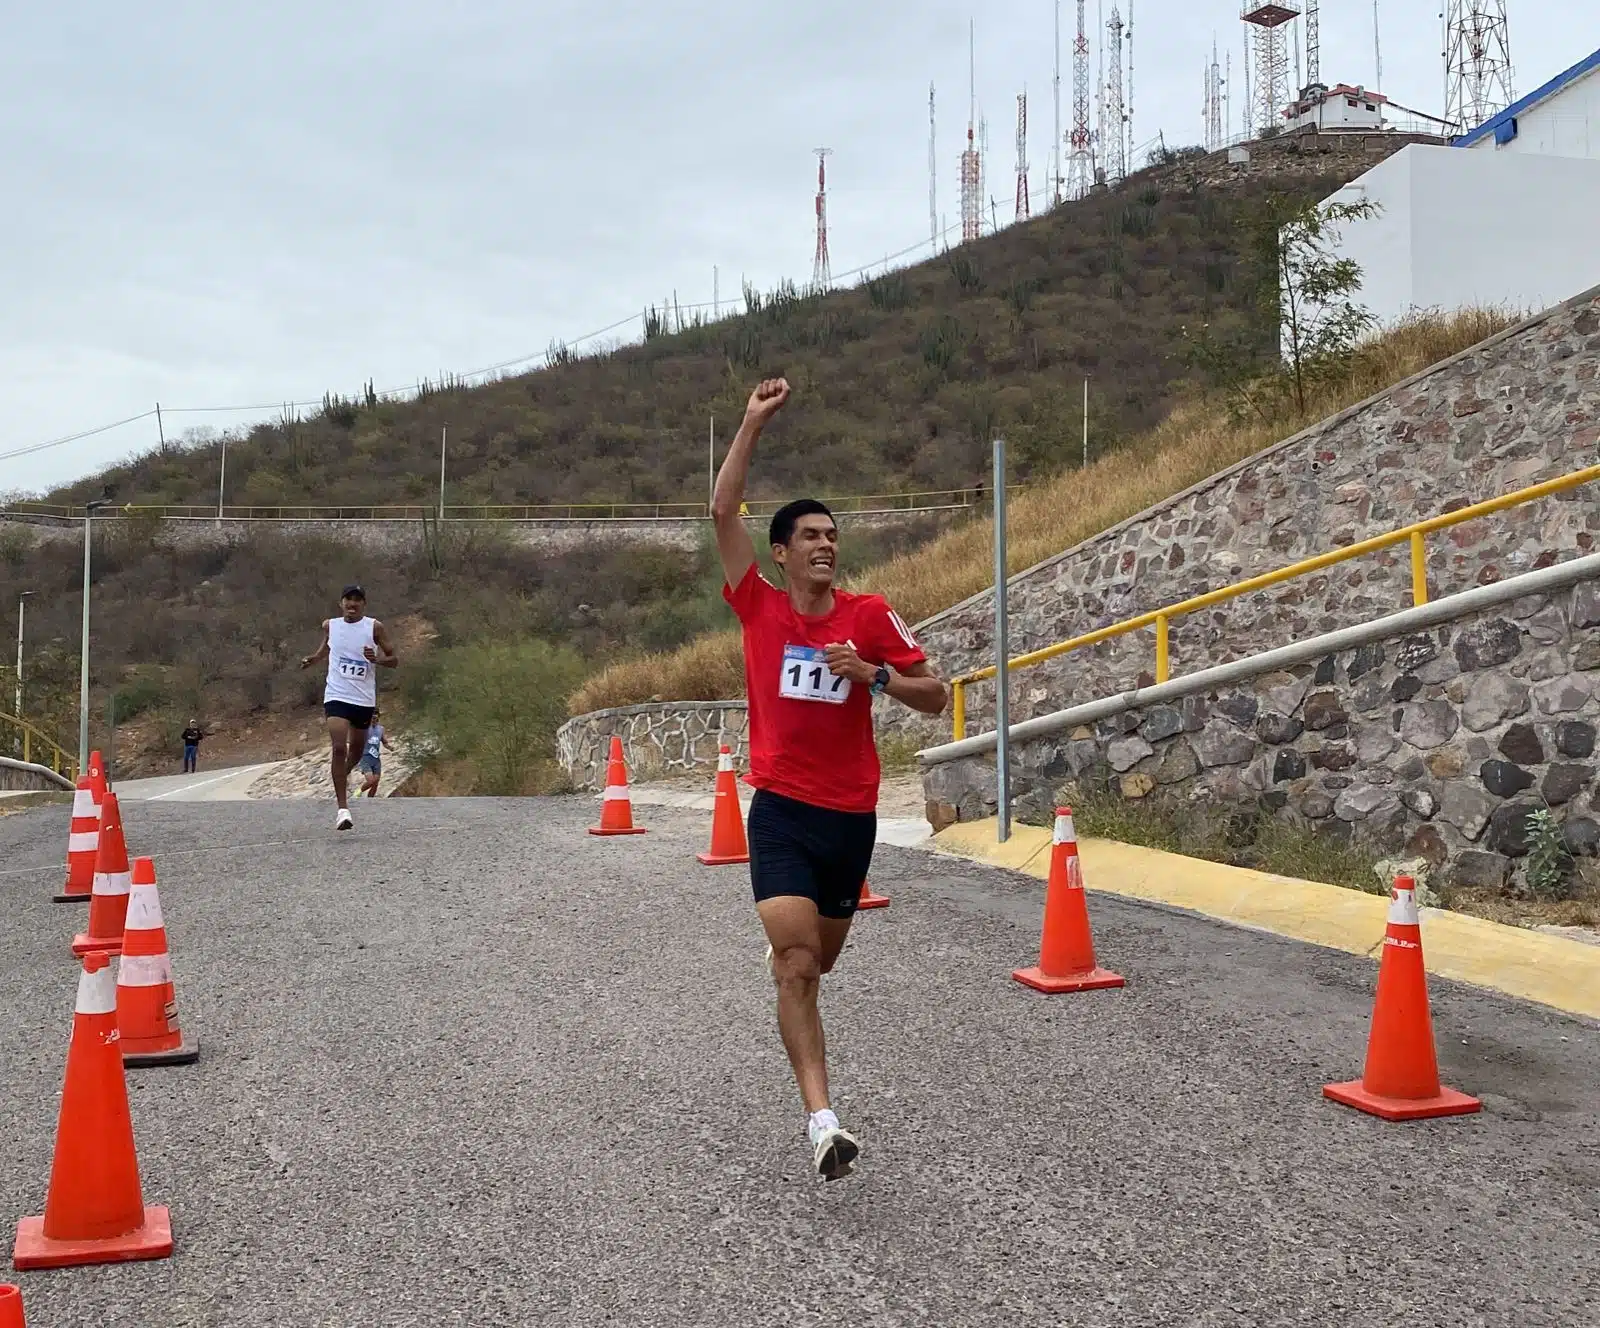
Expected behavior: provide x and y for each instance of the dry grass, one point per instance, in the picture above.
(1196, 441)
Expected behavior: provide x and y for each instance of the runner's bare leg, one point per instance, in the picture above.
(804, 947)
(340, 736)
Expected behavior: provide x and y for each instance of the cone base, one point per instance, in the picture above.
(83, 944)
(1447, 1102)
(67, 898)
(1096, 979)
(185, 1053)
(871, 900)
(601, 830)
(722, 860)
(152, 1240)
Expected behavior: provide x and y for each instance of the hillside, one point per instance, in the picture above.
(901, 380)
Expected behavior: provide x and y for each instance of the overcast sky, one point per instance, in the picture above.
(231, 204)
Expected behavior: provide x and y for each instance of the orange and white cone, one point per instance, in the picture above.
(616, 815)
(147, 1006)
(11, 1315)
(94, 1211)
(108, 904)
(869, 898)
(97, 778)
(1401, 1078)
(1066, 953)
(728, 844)
(83, 845)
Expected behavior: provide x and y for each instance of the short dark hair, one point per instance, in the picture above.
(787, 517)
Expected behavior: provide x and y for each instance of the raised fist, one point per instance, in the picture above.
(767, 400)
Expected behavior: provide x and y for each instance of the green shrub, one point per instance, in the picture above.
(1549, 865)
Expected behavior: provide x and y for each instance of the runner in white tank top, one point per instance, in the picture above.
(356, 647)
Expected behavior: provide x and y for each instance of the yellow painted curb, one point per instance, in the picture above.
(1551, 970)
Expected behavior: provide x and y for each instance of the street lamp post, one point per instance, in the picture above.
(89, 510)
(22, 604)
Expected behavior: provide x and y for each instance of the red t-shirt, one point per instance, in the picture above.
(810, 732)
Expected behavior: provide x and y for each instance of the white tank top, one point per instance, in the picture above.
(352, 677)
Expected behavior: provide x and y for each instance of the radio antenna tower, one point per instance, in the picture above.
(821, 271)
(1023, 208)
(933, 177)
(1055, 143)
(1113, 119)
(1272, 59)
(1127, 109)
(971, 163)
(1214, 115)
(1313, 46)
(1080, 168)
(1477, 62)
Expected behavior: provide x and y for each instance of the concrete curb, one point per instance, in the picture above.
(1534, 966)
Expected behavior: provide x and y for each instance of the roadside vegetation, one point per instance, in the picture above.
(1203, 435)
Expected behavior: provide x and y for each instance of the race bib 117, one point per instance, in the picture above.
(805, 677)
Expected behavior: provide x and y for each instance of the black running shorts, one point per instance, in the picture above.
(799, 849)
(360, 717)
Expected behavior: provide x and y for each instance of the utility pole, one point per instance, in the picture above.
(161, 432)
(22, 606)
(89, 509)
(444, 434)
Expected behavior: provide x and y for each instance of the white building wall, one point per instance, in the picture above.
(1565, 124)
(1462, 228)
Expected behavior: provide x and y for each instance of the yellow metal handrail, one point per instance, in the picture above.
(30, 736)
(1414, 534)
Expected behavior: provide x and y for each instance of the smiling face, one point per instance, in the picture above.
(811, 556)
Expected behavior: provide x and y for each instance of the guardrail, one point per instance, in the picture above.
(1160, 619)
(35, 746)
(923, 501)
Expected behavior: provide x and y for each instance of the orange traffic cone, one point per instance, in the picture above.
(1401, 1079)
(727, 820)
(11, 1315)
(1066, 954)
(108, 905)
(83, 844)
(97, 777)
(616, 815)
(869, 899)
(147, 1007)
(94, 1211)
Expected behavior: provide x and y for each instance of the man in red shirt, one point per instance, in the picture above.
(814, 659)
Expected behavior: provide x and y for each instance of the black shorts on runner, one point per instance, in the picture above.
(360, 717)
(815, 852)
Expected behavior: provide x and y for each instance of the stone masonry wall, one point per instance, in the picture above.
(673, 737)
(1517, 409)
(1437, 745)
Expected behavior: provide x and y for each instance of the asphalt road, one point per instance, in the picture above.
(228, 785)
(470, 1066)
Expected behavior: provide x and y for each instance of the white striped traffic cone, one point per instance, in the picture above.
(83, 844)
(147, 1006)
(616, 815)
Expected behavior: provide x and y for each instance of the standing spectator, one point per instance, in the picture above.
(191, 745)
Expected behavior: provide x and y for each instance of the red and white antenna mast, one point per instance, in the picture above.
(971, 162)
(1080, 165)
(821, 271)
(1023, 209)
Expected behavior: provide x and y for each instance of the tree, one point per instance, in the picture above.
(1319, 321)
(1302, 321)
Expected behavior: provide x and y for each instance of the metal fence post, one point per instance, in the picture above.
(1002, 651)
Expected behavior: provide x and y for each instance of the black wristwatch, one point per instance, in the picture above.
(880, 680)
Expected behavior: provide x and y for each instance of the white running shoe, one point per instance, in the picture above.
(344, 821)
(834, 1151)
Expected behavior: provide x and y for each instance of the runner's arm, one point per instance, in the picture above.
(380, 636)
(919, 687)
(322, 650)
(734, 545)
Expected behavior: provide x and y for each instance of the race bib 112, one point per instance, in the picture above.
(352, 668)
(805, 677)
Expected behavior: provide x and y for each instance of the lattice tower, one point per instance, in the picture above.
(821, 271)
(1080, 165)
(1272, 92)
(1023, 209)
(1477, 62)
(1114, 119)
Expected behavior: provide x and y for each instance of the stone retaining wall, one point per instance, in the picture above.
(1517, 409)
(673, 737)
(1437, 744)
